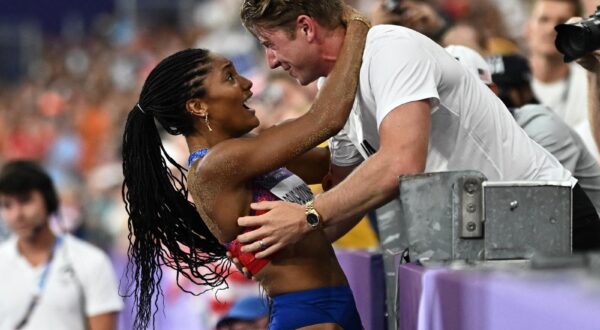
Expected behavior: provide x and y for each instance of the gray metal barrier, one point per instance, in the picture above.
(460, 215)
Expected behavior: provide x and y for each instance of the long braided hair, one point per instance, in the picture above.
(164, 227)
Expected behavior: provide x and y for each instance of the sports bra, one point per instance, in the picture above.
(248, 259)
(279, 184)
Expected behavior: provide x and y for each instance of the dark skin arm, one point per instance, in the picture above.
(311, 166)
(231, 164)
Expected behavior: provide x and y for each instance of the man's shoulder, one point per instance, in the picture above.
(388, 29)
(83, 249)
(539, 121)
(536, 113)
(531, 109)
(397, 41)
(385, 33)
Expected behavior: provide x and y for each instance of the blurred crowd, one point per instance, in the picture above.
(68, 109)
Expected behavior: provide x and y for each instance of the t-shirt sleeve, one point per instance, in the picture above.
(101, 292)
(343, 152)
(401, 71)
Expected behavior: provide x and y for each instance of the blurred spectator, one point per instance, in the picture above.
(466, 35)
(561, 86)
(249, 313)
(488, 20)
(52, 281)
(416, 15)
(462, 26)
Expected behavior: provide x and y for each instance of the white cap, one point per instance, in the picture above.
(472, 61)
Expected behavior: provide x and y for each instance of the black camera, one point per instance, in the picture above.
(577, 39)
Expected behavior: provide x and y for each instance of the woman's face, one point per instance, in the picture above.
(226, 97)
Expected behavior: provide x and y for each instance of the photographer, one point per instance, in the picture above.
(560, 86)
(591, 62)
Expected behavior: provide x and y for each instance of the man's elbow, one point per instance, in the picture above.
(398, 166)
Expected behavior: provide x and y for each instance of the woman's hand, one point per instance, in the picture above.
(351, 14)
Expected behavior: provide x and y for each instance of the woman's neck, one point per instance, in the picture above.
(198, 140)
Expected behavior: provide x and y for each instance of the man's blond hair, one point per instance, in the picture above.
(256, 14)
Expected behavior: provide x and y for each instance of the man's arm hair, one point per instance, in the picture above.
(336, 175)
(404, 137)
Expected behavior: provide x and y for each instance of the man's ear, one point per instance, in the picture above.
(306, 26)
(196, 107)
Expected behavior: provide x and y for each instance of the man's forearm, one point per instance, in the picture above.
(404, 137)
(371, 185)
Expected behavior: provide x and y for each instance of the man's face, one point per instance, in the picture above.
(540, 30)
(298, 57)
(24, 214)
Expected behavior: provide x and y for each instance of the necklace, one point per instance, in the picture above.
(197, 154)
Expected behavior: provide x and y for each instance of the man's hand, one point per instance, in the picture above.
(591, 62)
(284, 224)
(240, 267)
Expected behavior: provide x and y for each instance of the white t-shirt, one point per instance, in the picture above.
(566, 97)
(470, 127)
(80, 283)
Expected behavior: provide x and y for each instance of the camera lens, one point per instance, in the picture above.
(571, 41)
(574, 40)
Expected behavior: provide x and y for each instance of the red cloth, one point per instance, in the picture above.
(247, 259)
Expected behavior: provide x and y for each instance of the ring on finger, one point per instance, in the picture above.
(261, 244)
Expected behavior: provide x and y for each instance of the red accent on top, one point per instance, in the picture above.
(247, 259)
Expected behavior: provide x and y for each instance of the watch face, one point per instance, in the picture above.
(312, 219)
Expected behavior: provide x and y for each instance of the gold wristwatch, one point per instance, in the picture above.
(313, 218)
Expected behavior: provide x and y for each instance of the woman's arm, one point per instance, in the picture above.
(312, 166)
(275, 147)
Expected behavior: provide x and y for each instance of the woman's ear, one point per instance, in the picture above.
(196, 107)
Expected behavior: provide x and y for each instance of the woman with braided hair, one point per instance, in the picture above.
(198, 94)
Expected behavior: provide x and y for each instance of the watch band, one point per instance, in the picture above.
(313, 218)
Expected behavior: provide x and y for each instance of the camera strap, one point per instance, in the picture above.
(40, 285)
